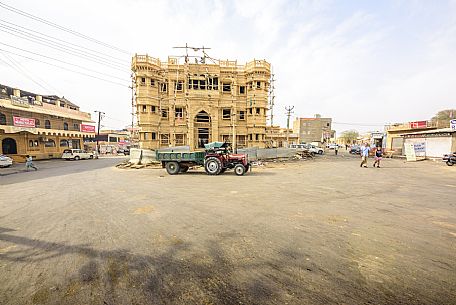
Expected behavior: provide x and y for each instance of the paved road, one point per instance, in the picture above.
(311, 232)
(55, 167)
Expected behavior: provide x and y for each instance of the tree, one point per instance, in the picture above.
(349, 136)
(443, 117)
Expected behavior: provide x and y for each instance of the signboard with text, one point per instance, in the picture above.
(410, 152)
(453, 124)
(418, 124)
(87, 128)
(23, 122)
(19, 101)
(420, 149)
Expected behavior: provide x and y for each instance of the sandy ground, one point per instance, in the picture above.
(309, 232)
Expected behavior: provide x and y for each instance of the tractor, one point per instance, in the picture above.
(219, 158)
(216, 159)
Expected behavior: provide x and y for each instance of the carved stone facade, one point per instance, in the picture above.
(192, 104)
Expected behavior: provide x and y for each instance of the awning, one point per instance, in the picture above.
(47, 132)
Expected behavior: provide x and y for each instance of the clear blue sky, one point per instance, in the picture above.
(360, 62)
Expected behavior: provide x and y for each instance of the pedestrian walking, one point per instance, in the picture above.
(29, 163)
(336, 149)
(378, 156)
(364, 155)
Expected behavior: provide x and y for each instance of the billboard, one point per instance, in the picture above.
(418, 124)
(23, 122)
(87, 128)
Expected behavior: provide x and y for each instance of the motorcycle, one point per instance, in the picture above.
(450, 159)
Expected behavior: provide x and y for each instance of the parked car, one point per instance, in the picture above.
(76, 154)
(299, 146)
(355, 149)
(332, 146)
(5, 161)
(126, 151)
(315, 149)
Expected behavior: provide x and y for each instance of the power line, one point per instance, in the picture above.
(64, 68)
(25, 14)
(62, 61)
(20, 71)
(85, 49)
(358, 124)
(64, 49)
(35, 76)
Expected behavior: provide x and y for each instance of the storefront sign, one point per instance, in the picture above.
(377, 135)
(410, 152)
(23, 122)
(87, 128)
(418, 124)
(19, 101)
(453, 124)
(420, 149)
(428, 135)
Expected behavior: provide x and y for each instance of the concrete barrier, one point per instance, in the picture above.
(250, 152)
(135, 155)
(142, 156)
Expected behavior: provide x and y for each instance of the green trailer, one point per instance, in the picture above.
(179, 162)
(216, 159)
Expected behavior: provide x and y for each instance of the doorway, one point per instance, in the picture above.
(202, 129)
(9, 146)
(203, 137)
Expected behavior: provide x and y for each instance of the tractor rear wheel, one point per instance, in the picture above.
(172, 168)
(213, 166)
(239, 169)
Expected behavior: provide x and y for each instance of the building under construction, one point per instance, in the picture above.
(192, 100)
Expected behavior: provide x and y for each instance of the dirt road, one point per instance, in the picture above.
(311, 232)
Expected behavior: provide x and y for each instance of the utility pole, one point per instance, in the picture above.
(100, 117)
(133, 108)
(289, 110)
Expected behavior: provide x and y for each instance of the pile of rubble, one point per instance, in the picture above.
(128, 164)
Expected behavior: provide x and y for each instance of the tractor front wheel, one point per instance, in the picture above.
(239, 169)
(213, 166)
(172, 168)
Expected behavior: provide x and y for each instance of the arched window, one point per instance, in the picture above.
(203, 117)
(2, 119)
(30, 143)
(37, 122)
(49, 143)
(63, 143)
(47, 124)
(65, 126)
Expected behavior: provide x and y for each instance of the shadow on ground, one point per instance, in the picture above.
(185, 274)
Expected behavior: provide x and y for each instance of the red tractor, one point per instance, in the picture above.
(218, 159)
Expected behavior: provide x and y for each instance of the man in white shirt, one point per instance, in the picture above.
(364, 155)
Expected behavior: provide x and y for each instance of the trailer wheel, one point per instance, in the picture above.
(449, 163)
(183, 169)
(172, 168)
(213, 166)
(239, 169)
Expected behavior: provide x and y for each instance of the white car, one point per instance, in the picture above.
(332, 146)
(76, 154)
(315, 149)
(5, 161)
